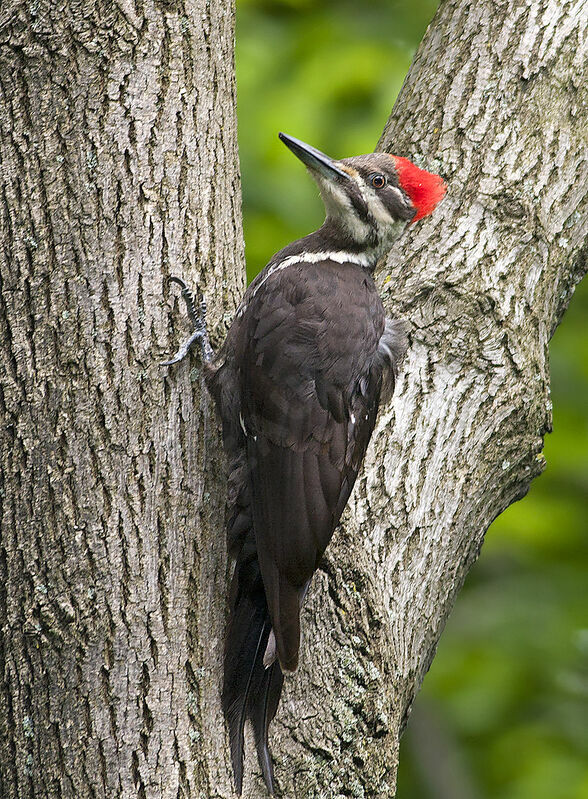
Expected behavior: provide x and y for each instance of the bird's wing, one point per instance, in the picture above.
(310, 394)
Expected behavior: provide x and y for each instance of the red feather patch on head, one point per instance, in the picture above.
(425, 189)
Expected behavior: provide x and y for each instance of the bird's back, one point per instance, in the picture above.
(302, 356)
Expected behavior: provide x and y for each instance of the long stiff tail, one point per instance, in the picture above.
(250, 691)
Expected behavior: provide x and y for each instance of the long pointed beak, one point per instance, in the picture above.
(313, 158)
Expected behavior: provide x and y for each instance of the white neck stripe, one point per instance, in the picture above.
(340, 257)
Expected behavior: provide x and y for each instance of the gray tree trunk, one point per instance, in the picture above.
(497, 101)
(117, 139)
(119, 167)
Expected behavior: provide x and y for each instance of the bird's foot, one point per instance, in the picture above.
(198, 319)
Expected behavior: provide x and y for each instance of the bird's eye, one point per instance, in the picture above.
(378, 181)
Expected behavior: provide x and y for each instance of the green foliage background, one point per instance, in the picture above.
(503, 713)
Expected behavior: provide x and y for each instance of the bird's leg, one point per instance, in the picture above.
(198, 319)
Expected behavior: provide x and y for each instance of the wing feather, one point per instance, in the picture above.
(310, 396)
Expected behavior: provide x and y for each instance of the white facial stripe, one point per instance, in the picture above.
(388, 227)
(338, 206)
(361, 259)
(375, 205)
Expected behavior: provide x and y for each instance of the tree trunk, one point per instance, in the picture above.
(119, 167)
(118, 154)
(497, 101)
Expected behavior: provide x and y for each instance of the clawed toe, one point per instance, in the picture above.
(198, 319)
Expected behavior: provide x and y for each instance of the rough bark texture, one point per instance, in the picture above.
(117, 142)
(119, 167)
(496, 100)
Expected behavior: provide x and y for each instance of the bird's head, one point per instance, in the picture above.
(369, 199)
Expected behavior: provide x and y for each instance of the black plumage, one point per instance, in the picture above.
(297, 384)
(298, 388)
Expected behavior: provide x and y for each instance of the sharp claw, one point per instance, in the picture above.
(179, 281)
(185, 348)
(199, 322)
(190, 300)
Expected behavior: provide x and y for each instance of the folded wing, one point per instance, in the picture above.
(310, 394)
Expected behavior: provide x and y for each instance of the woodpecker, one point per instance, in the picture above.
(306, 362)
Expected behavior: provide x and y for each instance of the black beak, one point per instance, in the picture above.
(313, 158)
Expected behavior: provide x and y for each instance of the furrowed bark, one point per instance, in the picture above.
(496, 101)
(117, 140)
(119, 168)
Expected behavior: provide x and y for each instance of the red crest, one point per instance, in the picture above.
(425, 189)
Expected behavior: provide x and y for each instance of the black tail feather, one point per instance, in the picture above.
(250, 691)
(262, 709)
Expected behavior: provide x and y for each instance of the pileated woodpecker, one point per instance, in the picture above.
(297, 384)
